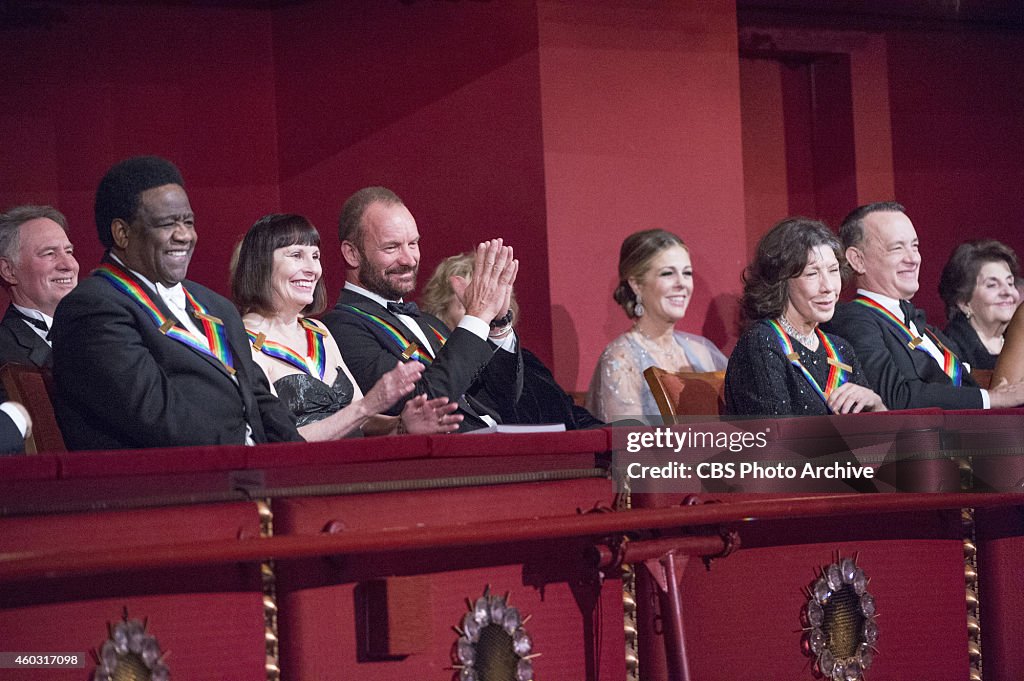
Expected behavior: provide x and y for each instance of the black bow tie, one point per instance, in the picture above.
(38, 323)
(913, 315)
(410, 309)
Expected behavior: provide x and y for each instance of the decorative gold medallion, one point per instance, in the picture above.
(493, 644)
(409, 351)
(840, 630)
(130, 654)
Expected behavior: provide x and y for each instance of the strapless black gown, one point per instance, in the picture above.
(309, 399)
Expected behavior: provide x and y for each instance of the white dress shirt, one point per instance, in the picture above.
(893, 306)
(36, 314)
(174, 297)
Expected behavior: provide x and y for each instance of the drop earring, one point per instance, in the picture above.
(638, 307)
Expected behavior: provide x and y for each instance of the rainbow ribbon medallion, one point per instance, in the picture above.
(314, 349)
(408, 349)
(838, 371)
(951, 364)
(216, 345)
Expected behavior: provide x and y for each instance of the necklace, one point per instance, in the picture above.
(809, 340)
(671, 355)
(993, 342)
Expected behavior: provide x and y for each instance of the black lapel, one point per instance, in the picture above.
(922, 362)
(361, 302)
(162, 306)
(427, 326)
(37, 349)
(471, 407)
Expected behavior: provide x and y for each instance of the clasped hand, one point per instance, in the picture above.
(488, 293)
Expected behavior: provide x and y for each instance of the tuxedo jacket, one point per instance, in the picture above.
(121, 383)
(19, 344)
(464, 368)
(902, 377)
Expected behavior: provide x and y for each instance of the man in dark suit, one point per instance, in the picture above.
(376, 329)
(909, 363)
(37, 269)
(142, 357)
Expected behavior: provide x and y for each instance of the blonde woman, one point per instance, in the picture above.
(542, 400)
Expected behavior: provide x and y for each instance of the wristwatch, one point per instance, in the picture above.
(504, 320)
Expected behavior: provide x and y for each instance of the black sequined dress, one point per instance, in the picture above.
(760, 381)
(309, 399)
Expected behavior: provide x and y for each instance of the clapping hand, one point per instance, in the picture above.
(393, 386)
(489, 293)
(1005, 394)
(421, 415)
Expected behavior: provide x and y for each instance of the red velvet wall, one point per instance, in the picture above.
(815, 123)
(641, 130)
(84, 86)
(958, 142)
(766, 183)
(439, 101)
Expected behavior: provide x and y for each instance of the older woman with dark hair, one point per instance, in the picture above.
(784, 364)
(978, 288)
(655, 287)
(276, 281)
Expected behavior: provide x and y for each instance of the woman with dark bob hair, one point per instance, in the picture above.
(277, 283)
(979, 290)
(784, 364)
(655, 287)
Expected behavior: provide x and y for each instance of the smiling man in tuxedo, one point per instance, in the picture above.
(376, 328)
(37, 269)
(142, 357)
(908, 362)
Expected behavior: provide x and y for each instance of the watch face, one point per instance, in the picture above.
(504, 320)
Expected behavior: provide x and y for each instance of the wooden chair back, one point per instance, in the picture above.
(31, 387)
(1010, 365)
(685, 393)
(983, 377)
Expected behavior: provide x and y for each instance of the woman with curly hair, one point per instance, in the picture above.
(784, 364)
